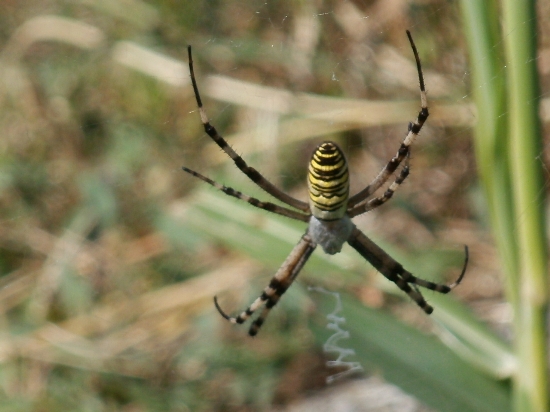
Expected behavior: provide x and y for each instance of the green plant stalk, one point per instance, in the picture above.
(507, 147)
(491, 139)
(527, 182)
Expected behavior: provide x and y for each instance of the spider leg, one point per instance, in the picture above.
(379, 201)
(278, 285)
(257, 324)
(270, 207)
(413, 131)
(409, 278)
(252, 173)
(459, 279)
(395, 272)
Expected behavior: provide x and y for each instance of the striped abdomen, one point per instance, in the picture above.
(328, 182)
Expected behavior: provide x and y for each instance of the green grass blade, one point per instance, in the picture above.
(508, 144)
(490, 133)
(520, 42)
(418, 363)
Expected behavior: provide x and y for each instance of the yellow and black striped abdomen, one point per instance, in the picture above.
(328, 182)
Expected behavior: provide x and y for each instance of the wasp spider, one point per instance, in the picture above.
(328, 212)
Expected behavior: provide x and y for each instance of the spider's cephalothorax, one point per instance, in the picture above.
(328, 212)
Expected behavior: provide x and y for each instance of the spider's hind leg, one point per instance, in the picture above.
(395, 272)
(278, 285)
(270, 296)
(409, 278)
(242, 317)
(410, 288)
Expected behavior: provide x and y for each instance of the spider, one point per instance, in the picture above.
(328, 212)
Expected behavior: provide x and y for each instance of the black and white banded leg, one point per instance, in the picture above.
(395, 272)
(403, 152)
(278, 285)
(268, 206)
(379, 201)
(252, 173)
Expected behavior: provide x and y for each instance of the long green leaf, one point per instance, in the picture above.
(519, 24)
(418, 363)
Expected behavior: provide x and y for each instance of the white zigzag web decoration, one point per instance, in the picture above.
(332, 344)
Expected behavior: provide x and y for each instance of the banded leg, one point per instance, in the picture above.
(379, 201)
(278, 285)
(257, 324)
(413, 131)
(252, 173)
(270, 207)
(409, 278)
(395, 272)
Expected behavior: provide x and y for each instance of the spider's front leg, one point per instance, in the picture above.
(379, 201)
(249, 171)
(404, 149)
(395, 272)
(278, 285)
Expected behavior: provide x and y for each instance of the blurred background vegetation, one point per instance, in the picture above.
(110, 255)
